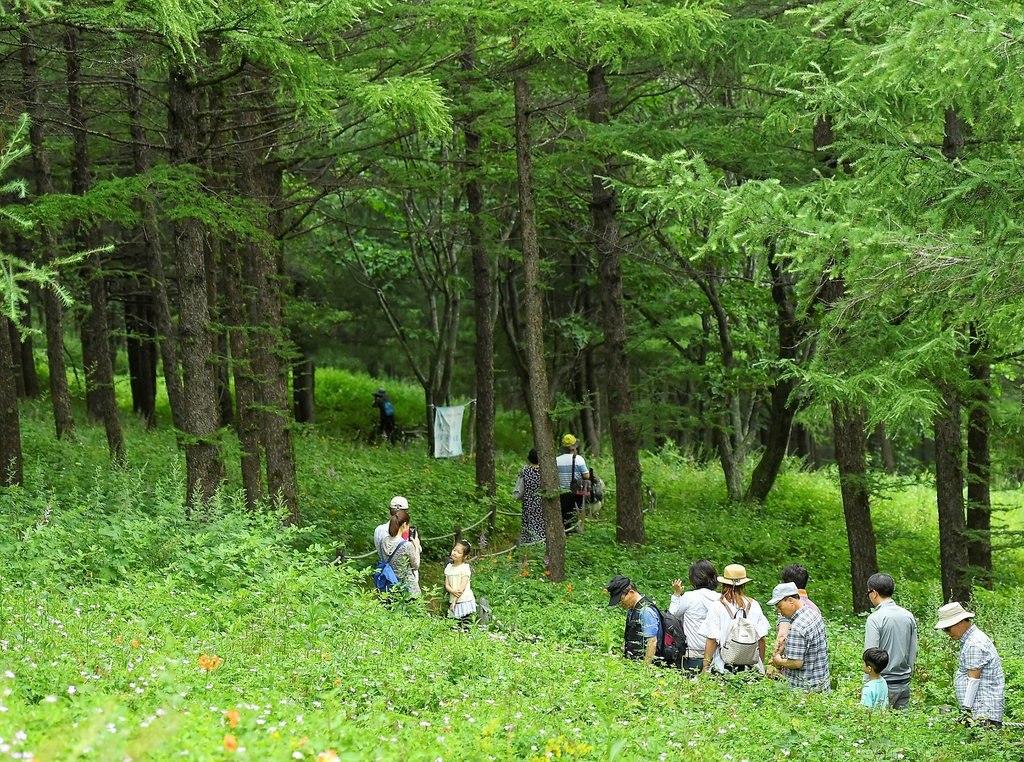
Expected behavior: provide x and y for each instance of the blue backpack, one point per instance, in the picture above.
(384, 577)
(389, 409)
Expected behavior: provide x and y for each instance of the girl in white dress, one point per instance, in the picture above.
(461, 604)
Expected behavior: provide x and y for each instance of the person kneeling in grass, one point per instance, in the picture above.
(875, 693)
(462, 603)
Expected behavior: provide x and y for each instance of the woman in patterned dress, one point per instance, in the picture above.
(533, 512)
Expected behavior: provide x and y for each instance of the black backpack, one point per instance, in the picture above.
(671, 640)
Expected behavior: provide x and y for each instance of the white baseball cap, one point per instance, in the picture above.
(399, 503)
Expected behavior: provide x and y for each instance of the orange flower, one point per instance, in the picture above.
(303, 741)
(327, 657)
(547, 573)
(117, 639)
(526, 574)
(233, 717)
(210, 662)
(230, 742)
(327, 756)
(569, 588)
(337, 683)
(135, 644)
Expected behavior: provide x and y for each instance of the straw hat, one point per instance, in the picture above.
(734, 574)
(952, 613)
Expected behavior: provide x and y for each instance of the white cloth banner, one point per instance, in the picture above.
(448, 431)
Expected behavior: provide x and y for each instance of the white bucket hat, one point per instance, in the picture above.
(952, 613)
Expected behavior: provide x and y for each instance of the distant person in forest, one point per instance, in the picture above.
(875, 693)
(729, 644)
(893, 628)
(692, 607)
(404, 554)
(387, 414)
(527, 490)
(573, 480)
(643, 624)
(979, 682)
(805, 657)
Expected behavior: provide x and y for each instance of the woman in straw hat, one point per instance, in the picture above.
(723, 616)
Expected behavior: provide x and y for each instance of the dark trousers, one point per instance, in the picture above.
(570, 503)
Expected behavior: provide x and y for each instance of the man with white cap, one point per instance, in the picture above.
(397, 503)
(805, 656)
(979, 683)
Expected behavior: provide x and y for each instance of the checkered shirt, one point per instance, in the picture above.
(807, 641)
(977, 652)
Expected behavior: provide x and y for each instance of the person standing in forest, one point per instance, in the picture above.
(398, 503)
(979, 682)
(527, 490)
(573, 480)
(797, 574)
(894, 629)
(643, 624)
(387, 414)
(806, 649)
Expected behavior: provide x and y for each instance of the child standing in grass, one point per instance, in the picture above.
(875, 693)
(462, 604)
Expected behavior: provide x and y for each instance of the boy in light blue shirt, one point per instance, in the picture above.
(875, 693)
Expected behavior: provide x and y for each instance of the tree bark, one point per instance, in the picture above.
(949, 493)
(885, 446)
(60, 397)
(203, 460)
(850, 436)
(28, 358)
(543, 437)
(629, 514)
(141, 358)
(979, 465)
(19, 377)
(150, 235)
(304, 386)
(792, 333)
(246, 388)
(99, 373)
(11, 471)
(260, 180)
(483, 317)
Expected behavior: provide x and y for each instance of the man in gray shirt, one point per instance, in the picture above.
(893, 629)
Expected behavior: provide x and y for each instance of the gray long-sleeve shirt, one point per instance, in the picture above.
(894, 629)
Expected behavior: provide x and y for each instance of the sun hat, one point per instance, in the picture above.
(783, 590)
(399, 503)
(617, 588)
(568, 441)
(952, 613)
(734, 574)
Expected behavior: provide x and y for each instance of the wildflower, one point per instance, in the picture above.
(569, 588)
(337, 683)
(547, 573)
(117, 639)
(327, 657)
(526, 574)
(232, 716)
(327, 756)
(230, 742)
(72, 690)
(135, 644)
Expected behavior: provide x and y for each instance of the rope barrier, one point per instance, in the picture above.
(440, 537)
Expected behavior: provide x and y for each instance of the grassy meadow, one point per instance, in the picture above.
(130, 631)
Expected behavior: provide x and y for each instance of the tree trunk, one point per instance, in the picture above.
(483, 319)
(150, 235)
(949, 493)
(629, 513)
(850, 436)
(594, 395)
(28, 358)
(304, 386)
(17, 374)
(260, 181)
(11, 472)
(885, 446)
(99, 373)
(246, 389)
(203, 461)
(141, 358)
(543, 437)
(783, 408)
(63, 419)
(979, 474)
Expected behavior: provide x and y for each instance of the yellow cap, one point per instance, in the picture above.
(568, 441)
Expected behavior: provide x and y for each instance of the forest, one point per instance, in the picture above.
(763, 259)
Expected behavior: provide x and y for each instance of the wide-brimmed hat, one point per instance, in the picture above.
(399, 503)
(952, 613)
(782, 591)
(617, 588)
(734, 574)
(379, 392)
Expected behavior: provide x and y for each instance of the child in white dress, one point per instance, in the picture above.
(462, 604)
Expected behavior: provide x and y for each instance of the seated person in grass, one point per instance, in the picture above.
(461, 603)
(875, 693)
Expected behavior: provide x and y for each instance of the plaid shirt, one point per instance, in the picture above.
(977, 652)
(807, 641)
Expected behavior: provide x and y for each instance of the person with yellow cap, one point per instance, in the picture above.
(573, 480)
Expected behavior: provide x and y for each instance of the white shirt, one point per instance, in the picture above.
(566, 467)
(717, 622)
(692, 606)
(378, 536)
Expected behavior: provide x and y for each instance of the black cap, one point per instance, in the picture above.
(618, 587)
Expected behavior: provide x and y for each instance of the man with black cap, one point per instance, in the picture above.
(387, 414)
(643, 624)
(571, 468)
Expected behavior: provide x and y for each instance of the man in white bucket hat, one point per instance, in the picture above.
(980, 687)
